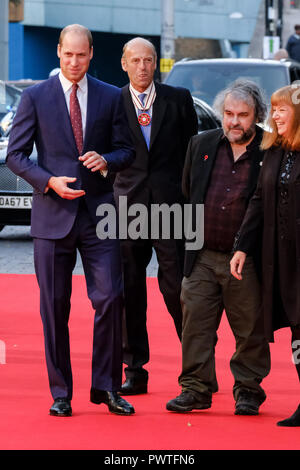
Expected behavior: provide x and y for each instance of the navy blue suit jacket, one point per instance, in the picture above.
(42, 119)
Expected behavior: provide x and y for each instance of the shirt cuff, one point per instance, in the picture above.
(104, 172)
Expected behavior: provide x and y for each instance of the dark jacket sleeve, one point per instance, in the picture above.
(122, 153)
(20, 146)
(186, 170)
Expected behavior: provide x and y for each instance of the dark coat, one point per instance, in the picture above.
(200, 159)
(293, 47)
(261, 213)
(155, 175)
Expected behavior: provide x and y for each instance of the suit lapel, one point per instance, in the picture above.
(159, 108)
(93, 107)
(206, 156)
(131, 115)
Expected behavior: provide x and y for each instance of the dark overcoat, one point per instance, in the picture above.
(261, 213)
(155, 175)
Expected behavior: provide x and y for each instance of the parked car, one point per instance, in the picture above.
(15, 193)
(207, 118)
(206, 77)
(9, 98)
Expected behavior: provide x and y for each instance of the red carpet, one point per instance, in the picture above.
(25, 398)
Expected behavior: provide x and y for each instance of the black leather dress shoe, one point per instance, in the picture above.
(292, 421)
(61, 407)
(132, 386)
(115, 403)
(187, 401)
(248, 403)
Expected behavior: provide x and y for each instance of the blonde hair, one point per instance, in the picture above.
(289, 95)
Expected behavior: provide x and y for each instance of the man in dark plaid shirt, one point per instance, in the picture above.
(221, 171)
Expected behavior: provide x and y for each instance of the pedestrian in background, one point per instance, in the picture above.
(293, 44)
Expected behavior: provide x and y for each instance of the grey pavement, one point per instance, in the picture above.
(16, 253)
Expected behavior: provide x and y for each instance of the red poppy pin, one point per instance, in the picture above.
(205, 157)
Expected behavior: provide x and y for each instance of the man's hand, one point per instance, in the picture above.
(237, 263)
(59, 184)
(93, 161)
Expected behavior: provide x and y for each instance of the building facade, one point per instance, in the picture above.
(203, 28)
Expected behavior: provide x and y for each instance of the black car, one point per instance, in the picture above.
(206, 77)
(15, 196)
(9, 98)
(15, 193)
(207, 119)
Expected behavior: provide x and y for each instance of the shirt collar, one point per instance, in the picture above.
(66, 84)
(137, 93)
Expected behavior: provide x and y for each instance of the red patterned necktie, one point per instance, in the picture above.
(76, 120)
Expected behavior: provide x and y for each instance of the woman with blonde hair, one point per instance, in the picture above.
(274, 214)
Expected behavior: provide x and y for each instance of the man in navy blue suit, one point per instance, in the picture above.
(79, 127)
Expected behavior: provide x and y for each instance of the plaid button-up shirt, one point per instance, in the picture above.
(226, 203)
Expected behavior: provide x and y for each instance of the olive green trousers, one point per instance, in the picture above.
(205, 294)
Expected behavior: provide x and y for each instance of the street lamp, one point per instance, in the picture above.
(272, 34)
(167, 37)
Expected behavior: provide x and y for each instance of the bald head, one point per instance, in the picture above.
(139, 42)
(139, 61)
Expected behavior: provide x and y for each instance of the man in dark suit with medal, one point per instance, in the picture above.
(162, 119)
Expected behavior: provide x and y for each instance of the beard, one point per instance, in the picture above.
(244, 137)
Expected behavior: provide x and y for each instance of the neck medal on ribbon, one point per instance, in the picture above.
(144, 118)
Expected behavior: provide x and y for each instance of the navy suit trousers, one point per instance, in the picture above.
(54, 264)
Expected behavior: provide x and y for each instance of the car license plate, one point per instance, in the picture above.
(15, 202)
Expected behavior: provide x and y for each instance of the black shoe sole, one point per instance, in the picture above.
(115, 412)
(246, 412)
(288, 424)
(186, 409)
(61, 415)
(133, 392)
(119, 413)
